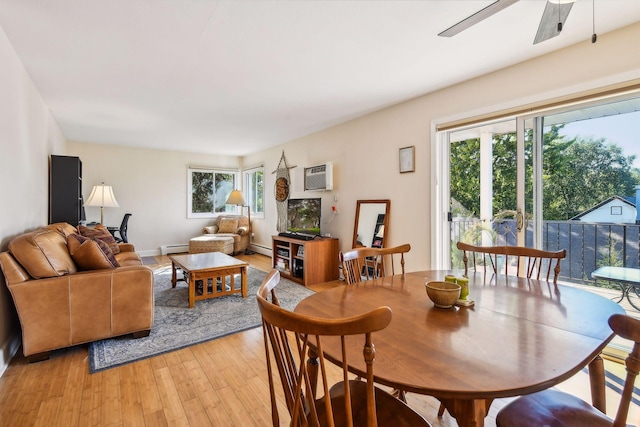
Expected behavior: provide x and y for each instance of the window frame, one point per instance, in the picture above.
(203, 169)
(249, 192)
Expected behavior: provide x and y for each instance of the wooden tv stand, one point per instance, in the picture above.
(306, 261)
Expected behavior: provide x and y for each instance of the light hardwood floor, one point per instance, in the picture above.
(218, 383)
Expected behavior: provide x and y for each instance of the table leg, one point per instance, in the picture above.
(173, 274)
(623, 291)
(597, 382)
(468, 413)
(192, 289)
(635, 291)
(244, 285)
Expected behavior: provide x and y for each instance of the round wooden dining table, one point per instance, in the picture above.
(520, 336)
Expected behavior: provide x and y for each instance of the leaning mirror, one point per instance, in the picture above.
(372, 223)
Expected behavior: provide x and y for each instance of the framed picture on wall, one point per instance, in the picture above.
(407, 159)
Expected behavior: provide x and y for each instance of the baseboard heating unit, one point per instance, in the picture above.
(174, 249)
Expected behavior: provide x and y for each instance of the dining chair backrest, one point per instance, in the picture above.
(628, 328)
(514, 260)
(553, 407)
(290, 337)
(359, 264)
(366, 263)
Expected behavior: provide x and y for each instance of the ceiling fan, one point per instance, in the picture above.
(553, 19)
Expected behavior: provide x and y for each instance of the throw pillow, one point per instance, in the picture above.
(228, 225)
(90, 254)
(100, 232)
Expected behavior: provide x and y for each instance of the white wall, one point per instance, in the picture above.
(28, 134)
(151, 185)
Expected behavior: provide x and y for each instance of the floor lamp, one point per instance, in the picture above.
(236, 198)
(102, 195)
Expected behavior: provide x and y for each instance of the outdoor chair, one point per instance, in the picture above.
(518, 260)
(290, 337)
(554, 408)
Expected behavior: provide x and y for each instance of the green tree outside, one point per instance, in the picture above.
(577, 174)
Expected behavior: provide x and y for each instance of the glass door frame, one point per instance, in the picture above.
(440, 156)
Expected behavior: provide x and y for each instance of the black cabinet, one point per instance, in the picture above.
(65, 190)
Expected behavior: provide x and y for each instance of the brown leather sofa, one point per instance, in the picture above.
(236, 226)
(60, 306)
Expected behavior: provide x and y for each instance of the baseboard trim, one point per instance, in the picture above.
(263, 250)
(8, 350)
(174, 248)
(152, 252)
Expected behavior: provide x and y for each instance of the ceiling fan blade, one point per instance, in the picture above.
(554, 13)
(483, 14)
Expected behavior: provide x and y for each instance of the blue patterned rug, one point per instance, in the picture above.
(177, 326)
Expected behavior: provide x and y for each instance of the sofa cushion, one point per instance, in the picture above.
(63, 228)
(90, 254)
(228, 225)
(43, 253)
(100, 232)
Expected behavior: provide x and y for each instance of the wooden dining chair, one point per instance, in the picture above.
(288, 338)
(517, 260)
(554, 408)
(365, 263)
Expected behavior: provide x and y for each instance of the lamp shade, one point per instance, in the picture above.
(102, 195)
(236, 198)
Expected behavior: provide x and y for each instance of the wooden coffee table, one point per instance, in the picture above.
(209, 275)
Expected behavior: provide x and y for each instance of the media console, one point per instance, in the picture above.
(306, 262)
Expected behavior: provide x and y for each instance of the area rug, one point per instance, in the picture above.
(177, 326)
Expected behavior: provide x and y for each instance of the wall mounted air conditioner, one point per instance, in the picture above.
(319, 177)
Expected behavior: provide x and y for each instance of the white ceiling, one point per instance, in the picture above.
(235, 77)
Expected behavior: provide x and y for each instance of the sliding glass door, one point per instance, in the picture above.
(563, 179)
(490, 186)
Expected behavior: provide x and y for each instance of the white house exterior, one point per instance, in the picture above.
(615, 209)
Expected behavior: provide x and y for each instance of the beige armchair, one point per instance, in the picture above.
(236, 226)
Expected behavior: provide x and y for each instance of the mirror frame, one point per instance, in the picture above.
(387, 204)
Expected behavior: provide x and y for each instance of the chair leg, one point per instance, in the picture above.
(399, 394)
(441, 410)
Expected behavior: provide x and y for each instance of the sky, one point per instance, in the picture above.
(621, 129)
